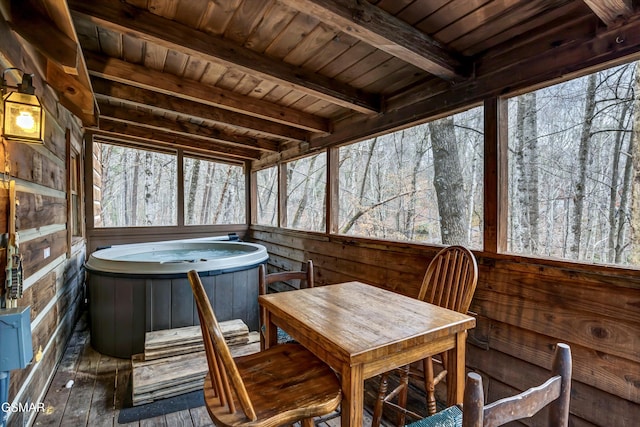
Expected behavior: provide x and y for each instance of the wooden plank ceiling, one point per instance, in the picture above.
(250, 79)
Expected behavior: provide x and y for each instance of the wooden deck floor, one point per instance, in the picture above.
(100, 388)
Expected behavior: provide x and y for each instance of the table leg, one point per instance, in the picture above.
(352, 405)
(456, 370)
(270, 331)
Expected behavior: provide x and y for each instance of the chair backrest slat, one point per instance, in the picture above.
(555, 393)
(305, 277)
(212, 362)
(224, 367)
(524, 405)
(451, 278)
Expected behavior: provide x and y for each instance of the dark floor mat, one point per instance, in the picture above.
(161, 407)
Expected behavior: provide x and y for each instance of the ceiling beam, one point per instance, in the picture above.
(48, 40)
(182, 127)
(170, 84)
(120, 17)
(129, 131)
(611, 11)
(566, 61)
(171, 104)
(378, 28)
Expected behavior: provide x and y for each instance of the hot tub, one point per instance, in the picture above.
(137, 288)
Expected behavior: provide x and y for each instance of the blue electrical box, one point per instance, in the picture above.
(16, 350)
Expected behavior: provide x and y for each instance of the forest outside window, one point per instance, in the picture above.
(214, 192)
(306, 185)
(574, 191)
(137, 187)
(422, 184)
(267, 196)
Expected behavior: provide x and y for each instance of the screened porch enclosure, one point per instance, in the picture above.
(362, 135)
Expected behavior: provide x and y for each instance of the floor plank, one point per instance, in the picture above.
(179, 419)
(200, 417)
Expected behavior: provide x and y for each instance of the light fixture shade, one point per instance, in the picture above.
(23, 118)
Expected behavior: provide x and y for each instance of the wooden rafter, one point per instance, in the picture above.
(120, 17)
(611, 11)
(376, 27)
(48, 40)
(182, 127)
(169, 84)
(159, 101)
(123, 131)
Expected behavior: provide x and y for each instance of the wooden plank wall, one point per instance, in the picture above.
(524, 307)
(53, 271)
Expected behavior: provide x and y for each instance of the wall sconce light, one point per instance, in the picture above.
(23, 118)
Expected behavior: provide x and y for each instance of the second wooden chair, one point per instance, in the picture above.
(295, 279)
(450, 282)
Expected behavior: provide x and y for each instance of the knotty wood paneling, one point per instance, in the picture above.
(64, 288)
(36, 210)
(53, 284)
(524, 307)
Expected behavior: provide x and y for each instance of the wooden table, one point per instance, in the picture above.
(361, 331)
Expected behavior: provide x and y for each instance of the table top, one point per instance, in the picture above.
(362, 321)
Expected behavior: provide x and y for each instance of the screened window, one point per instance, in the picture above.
(137, 187)
(571, 164)
(423, 183)
(267, 185)
(214, 192)
(306, 198)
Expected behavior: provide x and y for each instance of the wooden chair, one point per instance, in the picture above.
(281, 385)
(555, 393)
(305, 278)
(450, 281)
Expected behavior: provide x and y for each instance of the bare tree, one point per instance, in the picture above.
(583, 159)
(635, 187)
(616, 217)
(362, 209)
(134, 191)
(149, 188)
(448, 182)
(527, 173)
(208, 193)
(193, 190)
(223, 194)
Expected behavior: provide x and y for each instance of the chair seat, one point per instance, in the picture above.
(285, 382)
(449, 417)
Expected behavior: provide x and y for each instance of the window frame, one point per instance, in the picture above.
(74, 162)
